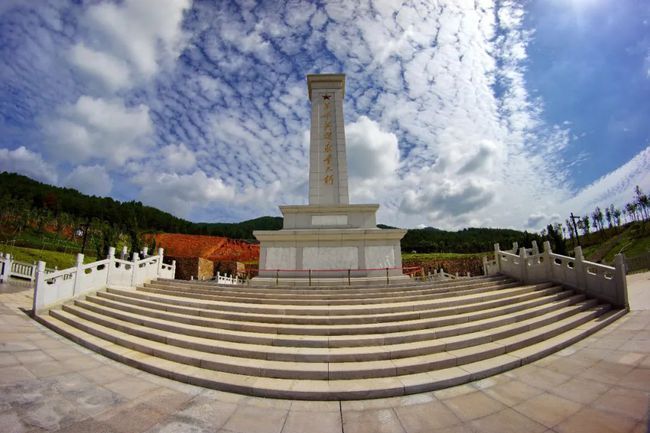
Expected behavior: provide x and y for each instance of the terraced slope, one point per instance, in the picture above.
(330, 343)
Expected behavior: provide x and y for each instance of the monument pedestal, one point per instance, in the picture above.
(330, 241)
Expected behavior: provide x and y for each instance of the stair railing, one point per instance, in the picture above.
(530, 266)
(56, 287)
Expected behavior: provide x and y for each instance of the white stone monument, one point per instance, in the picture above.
(329, 237)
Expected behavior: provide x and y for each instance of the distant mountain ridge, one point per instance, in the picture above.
(18, 190)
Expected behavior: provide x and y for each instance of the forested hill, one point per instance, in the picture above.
(470, 240)
(19, 192)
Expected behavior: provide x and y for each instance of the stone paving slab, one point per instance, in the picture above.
(48, 383)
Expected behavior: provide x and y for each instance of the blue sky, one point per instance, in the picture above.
(458, 113)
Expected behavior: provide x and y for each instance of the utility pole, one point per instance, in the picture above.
(85, 229)
(575, 227)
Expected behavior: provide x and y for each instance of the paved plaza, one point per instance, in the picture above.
(48, 383)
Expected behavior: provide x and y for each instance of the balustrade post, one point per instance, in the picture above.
(548, 269)
(515, 248)
(78, 275)
(145, 251)
(161, 252)
(110, 265)
(134, 269)
(497, 257)
(620, 281)
(125, 253)
(6, 269)
(579, 268)
(523, 270)
(535, 248)
(39, 287)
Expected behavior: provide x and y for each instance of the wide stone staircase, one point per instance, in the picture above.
(330, 343)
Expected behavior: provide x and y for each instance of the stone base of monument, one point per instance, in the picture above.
(320, 242)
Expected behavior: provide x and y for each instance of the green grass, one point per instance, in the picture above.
(51, 258)
(440, 256)
(632, 240)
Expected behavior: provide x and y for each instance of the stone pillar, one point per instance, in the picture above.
(548, 261)
(523, 266)
(161, 253)
(78, 274)
(535, 248)
(125, 253)
(6, 268)
(39, 287)
(497, 256)
(580, 271)
(621, 282)
(134, 269)
(111, 264)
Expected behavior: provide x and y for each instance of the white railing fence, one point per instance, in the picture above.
(55, 287)
(12, 268)
(441, 275)
(531, 266)
(227, 279)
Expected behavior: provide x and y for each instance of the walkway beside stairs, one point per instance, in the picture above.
(48, 383)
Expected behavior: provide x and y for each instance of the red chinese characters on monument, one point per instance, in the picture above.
(328, 149)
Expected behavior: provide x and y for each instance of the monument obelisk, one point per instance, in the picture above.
(329, 237)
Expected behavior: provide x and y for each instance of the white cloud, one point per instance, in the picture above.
(26, 162)
(146, 33)
(112, 72)
(373, 160)
(616, 187)
(372, 153)
(178, 158)
(180, 193)
(94, 129)
(91, 180)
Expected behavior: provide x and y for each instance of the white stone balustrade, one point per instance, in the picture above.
(227, 279)
(56, 287)
(529, 266)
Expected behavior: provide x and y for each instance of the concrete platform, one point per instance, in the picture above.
(48, 383)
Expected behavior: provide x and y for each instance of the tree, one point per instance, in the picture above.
(609, 216)
(585, 225)
(597, 217)
(631, 209)
(642, 201)
(554, 235)
(616, 213)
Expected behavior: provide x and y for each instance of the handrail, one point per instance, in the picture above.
(61, 285)
(531, 266)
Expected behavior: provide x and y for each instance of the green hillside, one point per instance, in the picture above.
(632, 239)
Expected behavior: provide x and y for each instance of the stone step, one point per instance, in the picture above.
(482, 332)
(330, 299)
(496, 299)
(336, 389)
(330, 370)
(332, 291)
(441, 317)
(345, 314)
(430, 329)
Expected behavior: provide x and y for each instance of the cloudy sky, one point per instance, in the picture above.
(458, 113)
